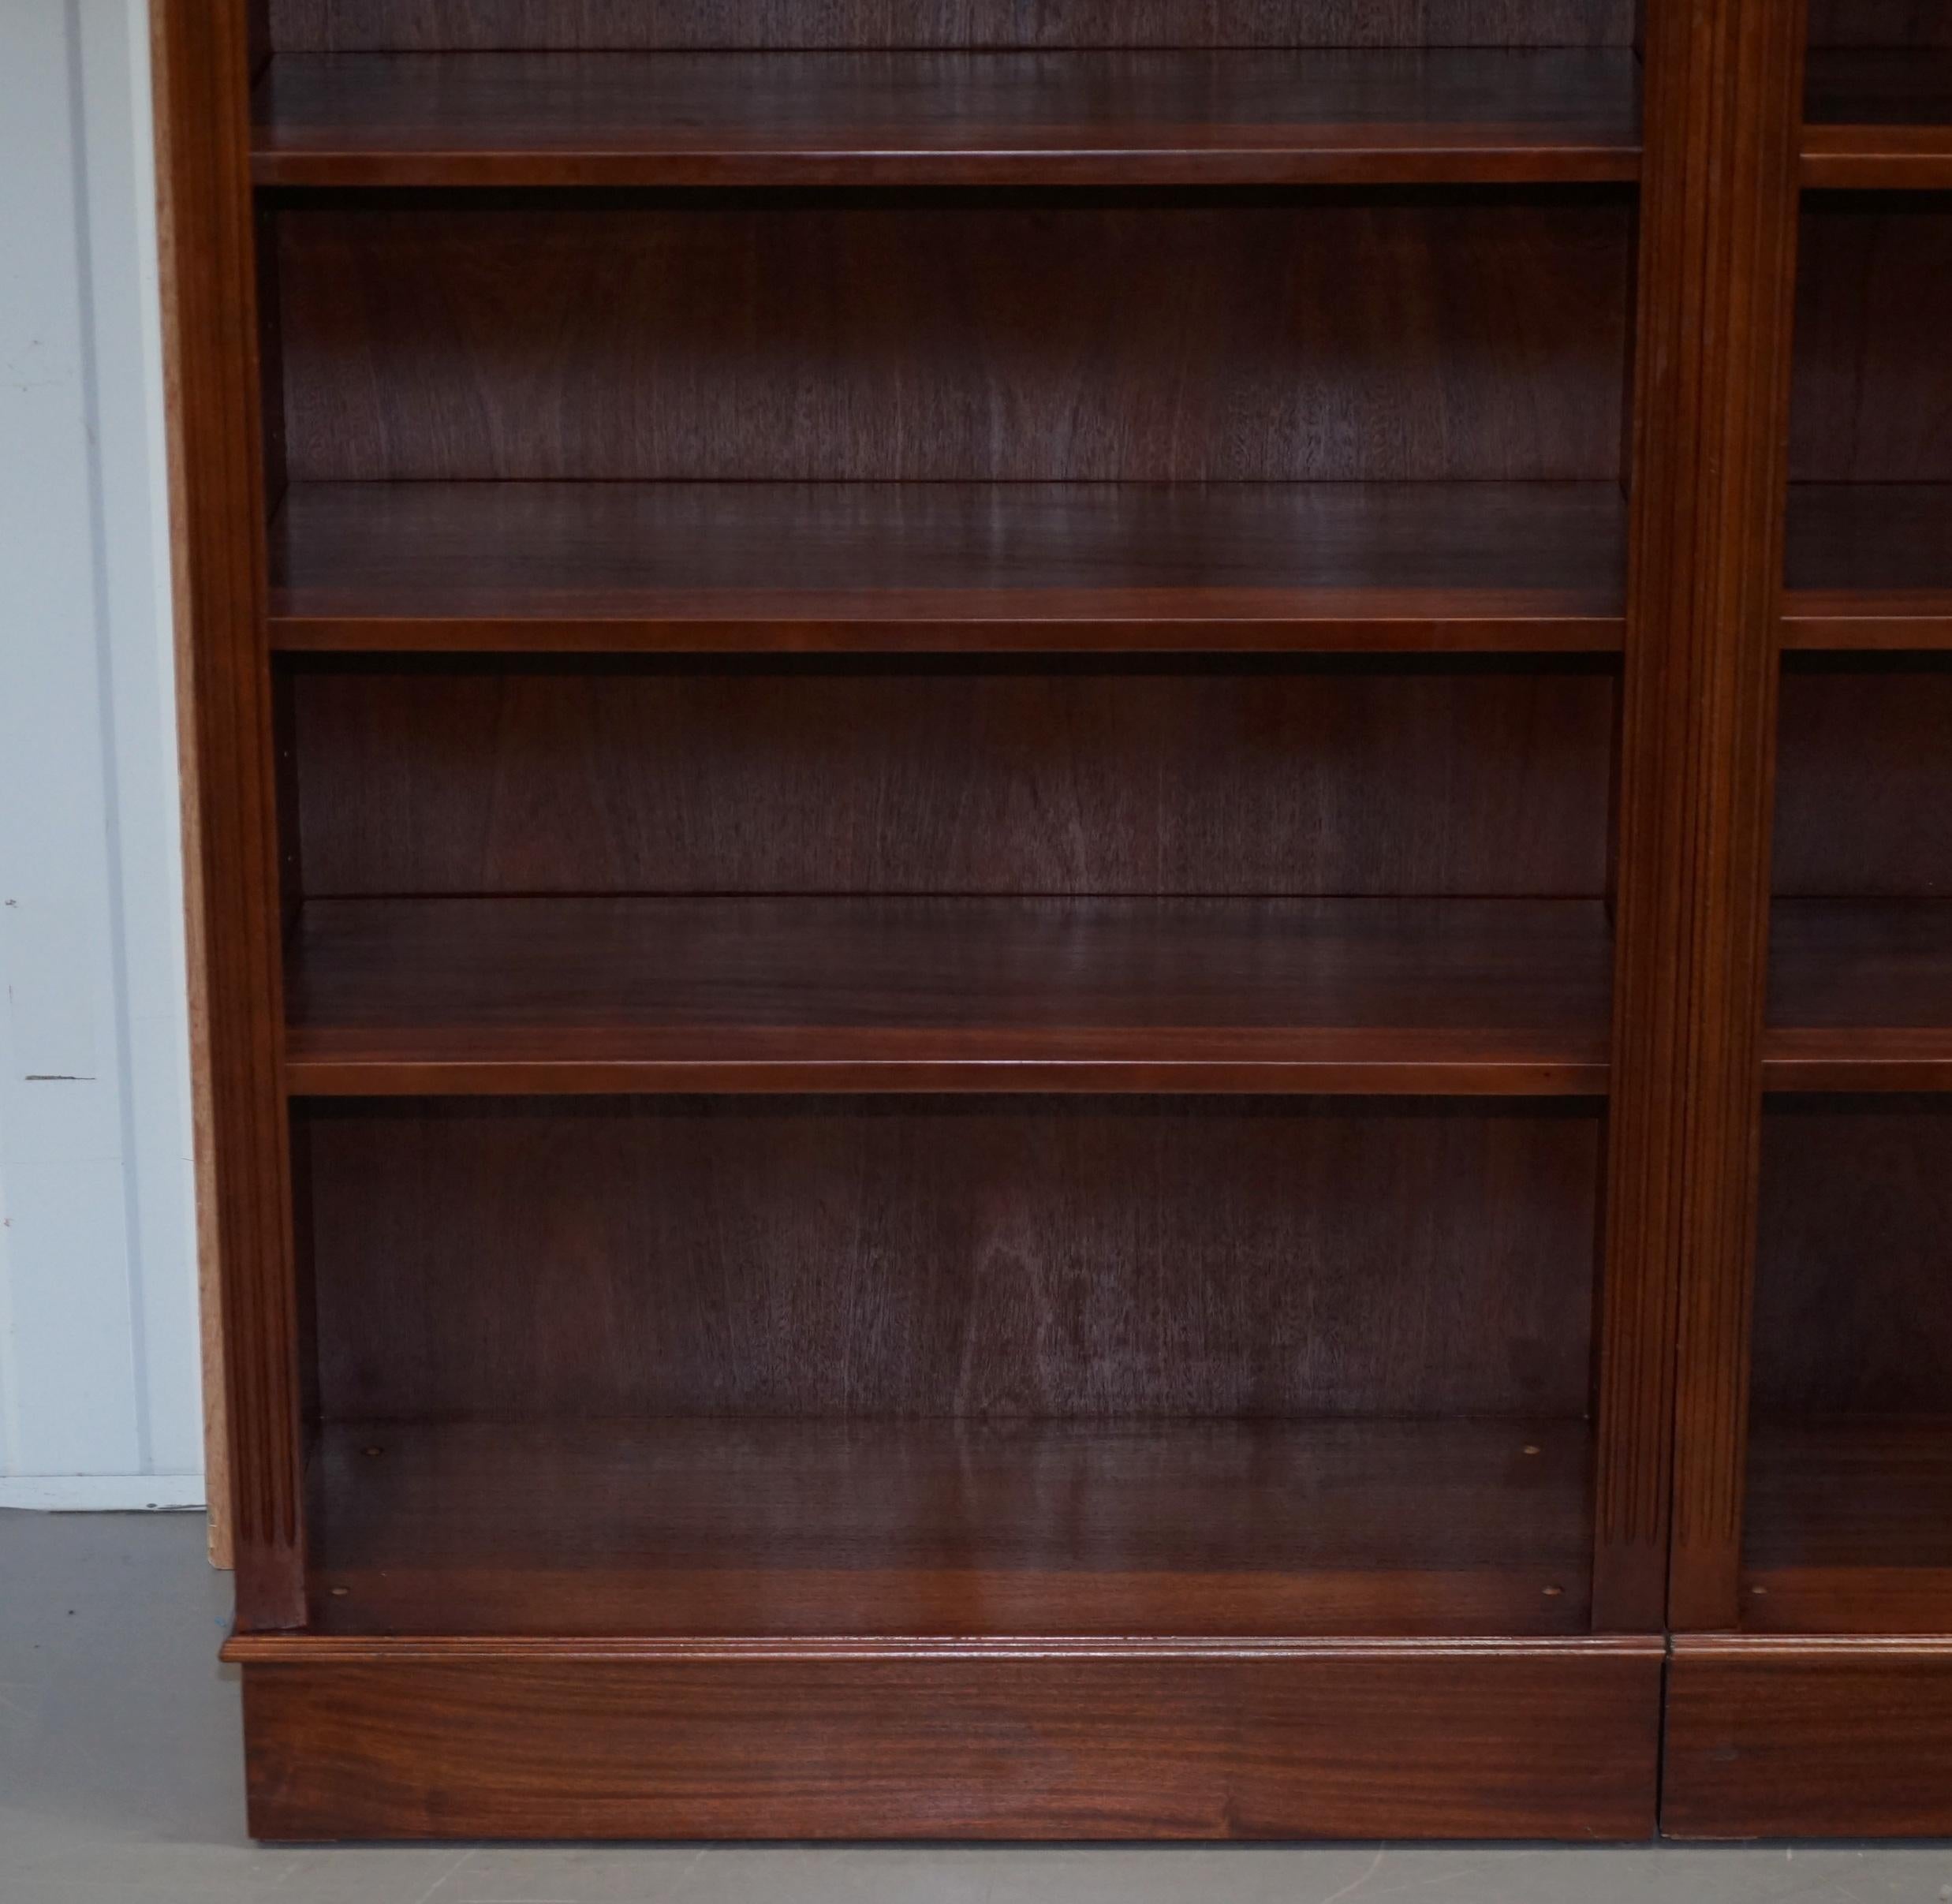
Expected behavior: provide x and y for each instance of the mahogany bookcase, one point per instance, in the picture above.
(982, 811)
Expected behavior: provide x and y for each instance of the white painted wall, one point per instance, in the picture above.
(100, 1403)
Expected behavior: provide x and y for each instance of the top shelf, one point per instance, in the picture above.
(1185, 117)
(1879, 121)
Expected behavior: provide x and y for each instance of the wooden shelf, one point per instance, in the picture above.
(409, 996)
(1870, 566)
(593, 567)
(1879, 120)
(1859, 995)
(751, 1528)
(1079, 118)
(1849, 1528)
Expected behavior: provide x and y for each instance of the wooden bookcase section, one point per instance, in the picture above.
(1809, 1693)
(984, 861)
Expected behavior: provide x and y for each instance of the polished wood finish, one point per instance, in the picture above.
(408, 995)
(423, 568)
(1718, 240)
(1873, 402)
(948, 719)
(1800, 1737)
(1266, 1739)
(1870, 567)
(1066, 338)
(360, 26)
(1879, 120)
(1866, 769)
(1860, 996)
(859, 1257)
(1194, 778)
(1849, 1322)
(747, 1529)
(1849, 1527)
(1075, 118)
(201, 64)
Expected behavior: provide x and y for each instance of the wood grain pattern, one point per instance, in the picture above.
(591, 1258)
(1393, 337)
(532, 995)
(754, 1529)
(1880, 120)
(1809, 1738)
(1860, 996)
(1849, 1527)
(595, 567)
(1539, 1740)
(1870, 566)
(1718, 219)
(1843, 831)
(1100, 118)
(1873, 378)
(202, 66)
(1880, 23)
(1851, 1316)
(1456, 779)
(327, 26)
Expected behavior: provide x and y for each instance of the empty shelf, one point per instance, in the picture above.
(1849, 1528)
(1879, 120)
(1870, 566)
(568, 567)
(1859, 995)
(754, 1528)
(403, 996)
(1098, 118)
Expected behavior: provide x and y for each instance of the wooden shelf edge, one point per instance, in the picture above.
(1851, 1059)
(1561, 1075)
(1895, 623)
(1461, 164)
(1350, 630)
(1877, 158)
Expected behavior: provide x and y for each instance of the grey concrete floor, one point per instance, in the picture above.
(121, 1783)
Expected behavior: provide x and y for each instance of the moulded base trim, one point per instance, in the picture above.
(1808, 1737)
(1122, 1740)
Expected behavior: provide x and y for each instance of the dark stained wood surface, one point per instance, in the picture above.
(201, 54)
(1446, 778)
(1844, 830)
(1851, 1319)
(522, 567)
(602, 1258)
(1795, 1737)
(970, 1529)
(1710, 401)
(1873, 379)
(1091, 118)
(1859, 995)
(1848, 1527)
(1879, 120)
(553, 995)
(1867, 23)
(326, 26)
(1870, 566)
(1341, 338)
(1513, 1739)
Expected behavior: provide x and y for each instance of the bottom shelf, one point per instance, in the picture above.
(1849, 1529)
(792, 1528)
